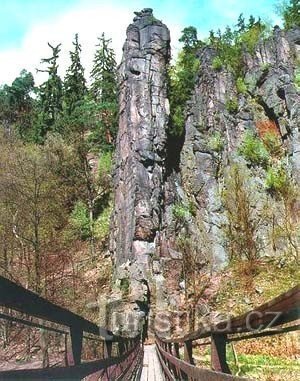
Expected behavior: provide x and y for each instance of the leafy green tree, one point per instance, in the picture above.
(290, 12)
(75, 83)
(189, 38)
(33, 208)
(17, 104)
(51, 94)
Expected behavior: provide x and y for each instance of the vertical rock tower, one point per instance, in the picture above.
(140, 157)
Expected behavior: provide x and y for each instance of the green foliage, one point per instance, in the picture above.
(277, 180)
(232, 42)
(104, 93)
(182, 79)
(182, 211)
(297, 77)
(253, 150)
(51, 94)
(232, 105)
(102, 224)
(238, 199)
(241, 86)
(273, 144)
(74, 84)
(17, 105)
(250, 37)
(79, 220)
(103, 74)
(189, 38)
(105, 164)
(125, 286)
(290, 12)
(216, 142)
(217, 63)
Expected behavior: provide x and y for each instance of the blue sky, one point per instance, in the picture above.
(27, 25)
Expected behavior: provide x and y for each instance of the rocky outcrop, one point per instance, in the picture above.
(271, 99)
(140, 159)
(171, 226)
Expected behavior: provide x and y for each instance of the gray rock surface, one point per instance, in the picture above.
(140, 153)
(147, 238)
(271, 97)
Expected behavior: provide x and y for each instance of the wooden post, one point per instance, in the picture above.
(188, 352)
(121, 347)
(179, 374)
(176, 350)
(218, 353)
(107, 349)
(76, 344)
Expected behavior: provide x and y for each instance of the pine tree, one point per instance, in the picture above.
(103, 74)
(75, 83)
(104, 93)
(290, 11)
(50, 93)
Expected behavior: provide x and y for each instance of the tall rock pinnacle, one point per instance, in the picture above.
(140, 154)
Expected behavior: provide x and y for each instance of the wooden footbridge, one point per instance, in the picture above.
(127, 358)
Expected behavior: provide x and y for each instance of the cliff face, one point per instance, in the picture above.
(270, 103)
(140, 155)
(227, 206)
(173, 229)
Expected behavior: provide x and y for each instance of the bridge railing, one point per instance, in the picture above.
(265, 320)
(15, 297)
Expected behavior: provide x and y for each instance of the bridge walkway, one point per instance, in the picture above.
(151, 366)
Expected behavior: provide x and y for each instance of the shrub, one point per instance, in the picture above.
(277, 180)
(242, 222)
(102, 223)
(241, 86)
(253, 150)
(270, 135)
(273, 144)
(125, 286)
(217, 64)
(266, 126)
(216, 142)
(297, 78)
(181, 211)
(105, 163)
(79, 220)
(250, 38)
(232, 105)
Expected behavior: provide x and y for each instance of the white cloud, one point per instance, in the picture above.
(89, 19)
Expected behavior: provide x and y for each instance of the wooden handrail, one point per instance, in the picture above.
(16, 297)
(287, 305)
(25, 301)
(76, 372)
(281, 310)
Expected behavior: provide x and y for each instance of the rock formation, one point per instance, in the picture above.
(140, 156)
(162, 255)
